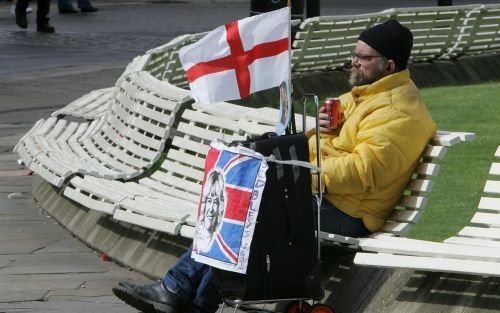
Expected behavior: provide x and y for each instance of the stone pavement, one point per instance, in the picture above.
(42, 267)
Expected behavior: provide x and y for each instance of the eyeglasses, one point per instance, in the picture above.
(363, 58)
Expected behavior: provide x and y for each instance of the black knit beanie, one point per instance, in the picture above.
(391, 39)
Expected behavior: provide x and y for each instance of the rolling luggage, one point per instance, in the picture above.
(283, 259)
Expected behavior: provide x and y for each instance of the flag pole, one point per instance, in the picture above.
(290, 87)
(290, 41)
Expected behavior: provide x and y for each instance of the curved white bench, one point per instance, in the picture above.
(121, 144)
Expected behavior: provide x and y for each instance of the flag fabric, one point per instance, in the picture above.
(239, 58)
(231, 193)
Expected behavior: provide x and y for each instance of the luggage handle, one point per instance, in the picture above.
(319, 194)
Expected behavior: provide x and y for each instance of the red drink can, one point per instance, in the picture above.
(332, 106)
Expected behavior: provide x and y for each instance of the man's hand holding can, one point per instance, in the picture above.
(329, 115)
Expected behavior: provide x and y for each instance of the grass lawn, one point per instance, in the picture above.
(464, 170)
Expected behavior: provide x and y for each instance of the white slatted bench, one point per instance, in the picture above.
(435, 29)
(167, 200)
(122, 144)
(446, 32)
(90, 106)
(251, 120)
(483, 36)
(414, 200)
(163, 62)
(325, 42)
(474, 250)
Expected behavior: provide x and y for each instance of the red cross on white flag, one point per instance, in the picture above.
(239, 58)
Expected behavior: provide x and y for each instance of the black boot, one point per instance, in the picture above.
(68, 11)
(44, 27)
(21, 19)
(89, 9)
(149, 298)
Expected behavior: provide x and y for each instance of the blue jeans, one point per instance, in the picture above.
(67, 4)
(195, 282)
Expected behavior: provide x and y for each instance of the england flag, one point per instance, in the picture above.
(239, 58)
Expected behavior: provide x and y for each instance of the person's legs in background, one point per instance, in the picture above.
(13, 8)
(21, 19)
(42, 17)
(42, 12)
(66, 7)
(86, 6)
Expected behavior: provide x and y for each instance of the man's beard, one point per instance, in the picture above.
(358, 78)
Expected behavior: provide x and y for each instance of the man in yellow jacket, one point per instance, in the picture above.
(367, 163)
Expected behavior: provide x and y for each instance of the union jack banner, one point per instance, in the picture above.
(229, 204)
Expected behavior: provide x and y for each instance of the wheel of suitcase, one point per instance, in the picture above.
(321, 308)
(298, 307)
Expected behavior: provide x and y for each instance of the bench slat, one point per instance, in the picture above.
(87, 201)
(479, 232)
(490, 219)
(414, 247)
(488, 203)
(473, 242)
(433, 264)
(173, 210)
(429, 169)
(495, 169)
(492, 187)
(147, 222)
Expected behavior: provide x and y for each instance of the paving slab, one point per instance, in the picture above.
(40, 282)
(13, 296)
(55, 263)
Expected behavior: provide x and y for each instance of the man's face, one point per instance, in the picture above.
(368, 65)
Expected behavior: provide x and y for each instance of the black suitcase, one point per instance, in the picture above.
(283, 259)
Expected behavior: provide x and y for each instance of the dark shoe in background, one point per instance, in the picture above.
(68, 11)
(45, 28)
(149, 298)
(21, 19)
(90, 9)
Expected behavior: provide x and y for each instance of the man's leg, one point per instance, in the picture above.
(337, 222)
(194, 283)
(188, 286)
(86, 6)
(20, 11)
(64, 5)
(42, 17)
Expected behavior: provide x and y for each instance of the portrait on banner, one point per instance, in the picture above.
(213, 206)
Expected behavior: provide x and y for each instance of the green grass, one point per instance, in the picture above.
(464, 170)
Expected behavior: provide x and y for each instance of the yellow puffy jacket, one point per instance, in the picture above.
(369, 161)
